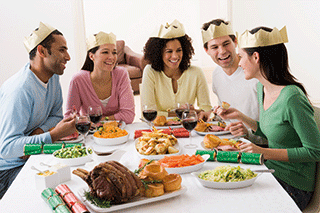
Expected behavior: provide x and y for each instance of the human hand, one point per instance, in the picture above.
(204, 115)
(237, 129)
(65, 127)
(250, 147)
(230, 113)
(37, 131)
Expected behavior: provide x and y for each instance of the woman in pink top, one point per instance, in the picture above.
(101, 83)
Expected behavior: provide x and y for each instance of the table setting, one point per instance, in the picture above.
(262, 193)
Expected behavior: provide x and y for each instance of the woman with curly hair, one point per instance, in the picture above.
(169, 78)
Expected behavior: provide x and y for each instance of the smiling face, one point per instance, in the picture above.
(55, 60)
(105, 57)
(172, 55)
(249, 64)
(222, 51)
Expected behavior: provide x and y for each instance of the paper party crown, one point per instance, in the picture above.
(262, 38)
(173, 30)
(100, 39)
(215, 31)
(37, 36)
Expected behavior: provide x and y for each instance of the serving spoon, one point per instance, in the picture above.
(264, 170)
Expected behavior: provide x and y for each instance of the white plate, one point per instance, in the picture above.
(224, 185)
(213, 133)
(156, 157)
(111, 141)
(134, 202)
(241, 139)
(80, 138)
(188, 169)
(166, 127)
(73, 161)
(122, 126)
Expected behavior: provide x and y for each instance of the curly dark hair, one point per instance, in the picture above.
(45, 43)
(274, 63)
(154, 47)
(216, 22)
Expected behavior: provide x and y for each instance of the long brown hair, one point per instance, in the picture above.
(88, 64)
(274, 63)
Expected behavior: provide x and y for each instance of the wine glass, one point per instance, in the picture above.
(180, 108)
(95, 113)
(149, 113)
(83, 125)
(189, 122)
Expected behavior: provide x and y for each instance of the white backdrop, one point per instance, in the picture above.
(134, 20)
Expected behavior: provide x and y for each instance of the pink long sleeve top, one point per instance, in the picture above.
(81, 94)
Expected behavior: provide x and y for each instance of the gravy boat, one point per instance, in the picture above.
(99, 157)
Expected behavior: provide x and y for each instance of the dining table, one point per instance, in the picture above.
(264, 195)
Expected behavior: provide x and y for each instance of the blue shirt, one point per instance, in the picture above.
(26, 105)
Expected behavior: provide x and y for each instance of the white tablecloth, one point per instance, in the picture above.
(265, 195)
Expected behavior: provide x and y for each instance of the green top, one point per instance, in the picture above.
(289, 124)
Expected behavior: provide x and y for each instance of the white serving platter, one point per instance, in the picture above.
(188, 169)
(224, 185)
(132, 203)
(156, 157)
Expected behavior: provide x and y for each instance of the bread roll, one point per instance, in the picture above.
(172, 182)
(225, 105)
(211, 141)
(154, 171)
(160, 121)
(154, 190)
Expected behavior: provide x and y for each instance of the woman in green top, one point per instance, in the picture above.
(286, 115)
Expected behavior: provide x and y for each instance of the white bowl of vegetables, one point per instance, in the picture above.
(72, 156)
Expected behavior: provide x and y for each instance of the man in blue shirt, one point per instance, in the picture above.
(31, 102)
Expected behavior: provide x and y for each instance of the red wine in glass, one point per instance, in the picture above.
(189, 124)
(95, 118)
(83, 127)
(179, 112)
(149, 114)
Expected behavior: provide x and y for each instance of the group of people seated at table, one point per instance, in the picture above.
(269, 105)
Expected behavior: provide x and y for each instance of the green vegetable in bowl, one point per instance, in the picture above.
(72, 152)
(227, 174)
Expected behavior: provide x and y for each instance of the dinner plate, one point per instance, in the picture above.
(172, 126)
(213, 133)
(241, 139)
(224, 185)
(122, 126)
(131, 203)
(79, 139)
(188, 169)
(156, 157)
(111, 141)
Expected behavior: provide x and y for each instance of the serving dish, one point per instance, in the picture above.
(224, 185)
(73, 161)
(188, 169)
(167, 126)
(156, 157)
(100, 124)
(213, 133)
(134, 202)
(111, 141)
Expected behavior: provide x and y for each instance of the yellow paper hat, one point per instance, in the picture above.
(173, 30)
(262, 38)
(215, 31)
(37, 36)
(100, 39)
